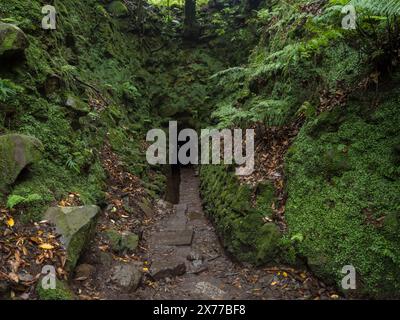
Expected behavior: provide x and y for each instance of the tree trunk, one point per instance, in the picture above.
(190, 24)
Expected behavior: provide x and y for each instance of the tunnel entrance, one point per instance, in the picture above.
(173, 171)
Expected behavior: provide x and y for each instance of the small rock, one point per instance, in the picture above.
(77, 105)
(4, 288)
(127, 276)
(209, 290)
(25, 277)
(17, 151)
(84, 271)
(194, 256)
(145, 205)
(164, 205)
(105, 259)
(122, 241)
(130, 241)
(197, 263)
(169, 267)
(25, 296)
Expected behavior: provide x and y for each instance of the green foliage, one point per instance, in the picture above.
(341, 183)
(15, 200)
(388, 7)
(61, 292)
(8, 89)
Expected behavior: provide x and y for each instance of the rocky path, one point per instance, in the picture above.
(179, 258)
(187, 260)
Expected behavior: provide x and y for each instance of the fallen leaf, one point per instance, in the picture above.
(46, 246)
(13, 276)
(10, 222)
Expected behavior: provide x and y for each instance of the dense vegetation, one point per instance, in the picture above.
(109, 74)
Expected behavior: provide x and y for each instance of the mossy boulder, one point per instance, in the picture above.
(239, 222)
(16, 152)
(12, 39)
(122, 241)
(118, 9)
(76, 226)
(61, 292)
(77, 105)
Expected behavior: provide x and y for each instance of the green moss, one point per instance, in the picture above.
(339, 214)
(12, 39)
(61, 292)
(118, 9)
(122, 242)
(241, 227)
(16, 152)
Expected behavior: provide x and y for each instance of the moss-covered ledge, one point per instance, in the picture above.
(240, 223)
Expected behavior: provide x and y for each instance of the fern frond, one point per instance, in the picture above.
(378, 7)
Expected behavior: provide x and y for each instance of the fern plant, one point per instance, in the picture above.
(388, 8)
(8, 89)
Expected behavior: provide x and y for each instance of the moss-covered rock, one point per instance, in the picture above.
(118, 9)
(12, 39)
(76, 226)
(16, 152)
(76, 104)
(61, 292)
(239, 223)
(122, 241)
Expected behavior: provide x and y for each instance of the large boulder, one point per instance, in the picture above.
(76, 225)
(16, 152)
(12, 39)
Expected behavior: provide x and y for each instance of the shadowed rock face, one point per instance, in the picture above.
(16, 152)
(76, 226)
(12, 39)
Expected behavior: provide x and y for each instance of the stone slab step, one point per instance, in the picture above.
(182, 237)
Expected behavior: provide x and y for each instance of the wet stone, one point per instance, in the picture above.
(209, 290)
(176, 237)
(168, 268)
(127, 276)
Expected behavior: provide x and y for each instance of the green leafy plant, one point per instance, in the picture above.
(15, 200)
(72, 164)
(8, 89)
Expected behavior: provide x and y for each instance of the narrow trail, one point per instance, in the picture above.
(181, 258)
(188, 261)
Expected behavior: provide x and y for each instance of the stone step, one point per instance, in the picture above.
(183, 237)
(181, 209)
